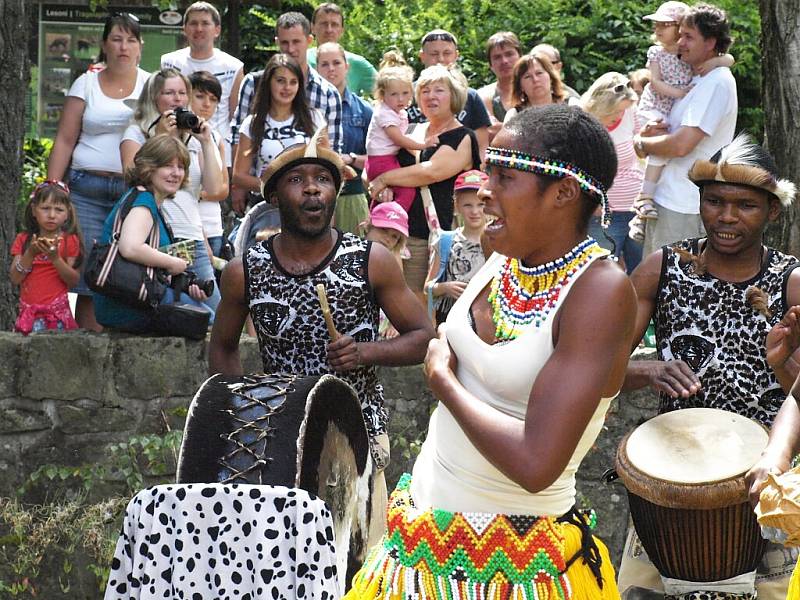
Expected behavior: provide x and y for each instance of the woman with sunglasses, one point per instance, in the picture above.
(612, 101)
(86, 149)
(536, 83)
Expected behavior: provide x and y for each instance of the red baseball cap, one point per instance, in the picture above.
(470, 180)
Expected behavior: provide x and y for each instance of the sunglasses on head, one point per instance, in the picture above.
(621, 87)
(49, 183)
(439, 37)
(124, 15)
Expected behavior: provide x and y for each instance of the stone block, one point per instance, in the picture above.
(250, 355)
(89, 416)
(156, 367)
(11, 351)
(23, 417)
(66, 366)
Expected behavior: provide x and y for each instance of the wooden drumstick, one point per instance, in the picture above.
(326, 312)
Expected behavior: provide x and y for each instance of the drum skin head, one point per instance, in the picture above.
(696, 445)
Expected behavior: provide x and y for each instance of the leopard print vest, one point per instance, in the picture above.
(291, 331)
(708, 324)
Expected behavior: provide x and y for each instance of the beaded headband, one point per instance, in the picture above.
(550, 167)
(48, 183)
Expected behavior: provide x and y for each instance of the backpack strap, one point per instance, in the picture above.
(444, 247)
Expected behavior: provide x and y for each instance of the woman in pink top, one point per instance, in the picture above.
(612, 101)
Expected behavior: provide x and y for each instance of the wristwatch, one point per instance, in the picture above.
(353, 156)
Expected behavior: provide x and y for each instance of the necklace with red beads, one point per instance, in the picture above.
(522, 297)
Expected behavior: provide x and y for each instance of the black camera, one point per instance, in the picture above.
(182, 281)
(186, 119)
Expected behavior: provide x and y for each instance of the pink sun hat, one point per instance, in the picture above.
(669, 12)
(389, 215)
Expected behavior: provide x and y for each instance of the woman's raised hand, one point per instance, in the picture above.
(167, 123)
(204, 133)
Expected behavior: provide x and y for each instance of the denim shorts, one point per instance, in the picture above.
(93, 196)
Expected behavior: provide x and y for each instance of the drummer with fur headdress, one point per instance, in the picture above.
(725, 309)
(276, 280)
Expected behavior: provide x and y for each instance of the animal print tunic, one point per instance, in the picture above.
(708, 324)
(291, 330)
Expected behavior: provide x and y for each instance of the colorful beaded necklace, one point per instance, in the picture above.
(522, 297)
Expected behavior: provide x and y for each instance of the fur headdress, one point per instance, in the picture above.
(743, 162)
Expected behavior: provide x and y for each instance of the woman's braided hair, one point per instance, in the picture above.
(567, 133)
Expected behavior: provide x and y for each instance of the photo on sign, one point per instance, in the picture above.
(52, 112)
(57, 45)
(87, 45)
(57, 82)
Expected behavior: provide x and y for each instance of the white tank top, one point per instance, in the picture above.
(450, 473)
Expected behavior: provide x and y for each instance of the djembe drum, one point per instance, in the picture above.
(287, 430)
(684, 472)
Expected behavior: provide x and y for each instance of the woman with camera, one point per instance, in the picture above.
(159, 170)
(161, 109)
(85, 153)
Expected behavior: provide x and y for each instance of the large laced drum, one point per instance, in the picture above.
(287, 430)
(684, 472)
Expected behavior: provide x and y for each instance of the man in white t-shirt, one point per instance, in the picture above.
(201, 26)
(699, 124)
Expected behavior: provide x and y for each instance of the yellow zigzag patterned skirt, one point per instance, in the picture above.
(441, 555)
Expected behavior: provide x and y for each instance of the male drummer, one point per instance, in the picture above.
(274, 282)
(717, 304)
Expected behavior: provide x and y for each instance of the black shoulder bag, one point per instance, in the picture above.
(107, 272)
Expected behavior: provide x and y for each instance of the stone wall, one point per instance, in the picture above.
(65, 398)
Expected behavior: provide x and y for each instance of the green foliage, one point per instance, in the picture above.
(594, 36)
(48, 548)
(35, 151)
(40, 546)
(135, 462)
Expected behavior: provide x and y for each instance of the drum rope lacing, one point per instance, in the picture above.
(260, 426)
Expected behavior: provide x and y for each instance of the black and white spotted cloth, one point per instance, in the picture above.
(224, 541)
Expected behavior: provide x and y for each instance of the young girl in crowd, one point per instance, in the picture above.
(388, 226)
(386, 135)
(45, 257)
(670, 79)
(458, 256)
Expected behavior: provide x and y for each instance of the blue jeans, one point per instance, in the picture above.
(216, 244)
(203, 269)
(626, 249)
(93, 196)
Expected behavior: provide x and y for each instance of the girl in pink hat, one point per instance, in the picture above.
(388, 226)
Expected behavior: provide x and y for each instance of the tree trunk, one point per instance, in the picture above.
(780, 43)
(14, 81)
(232, 32)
